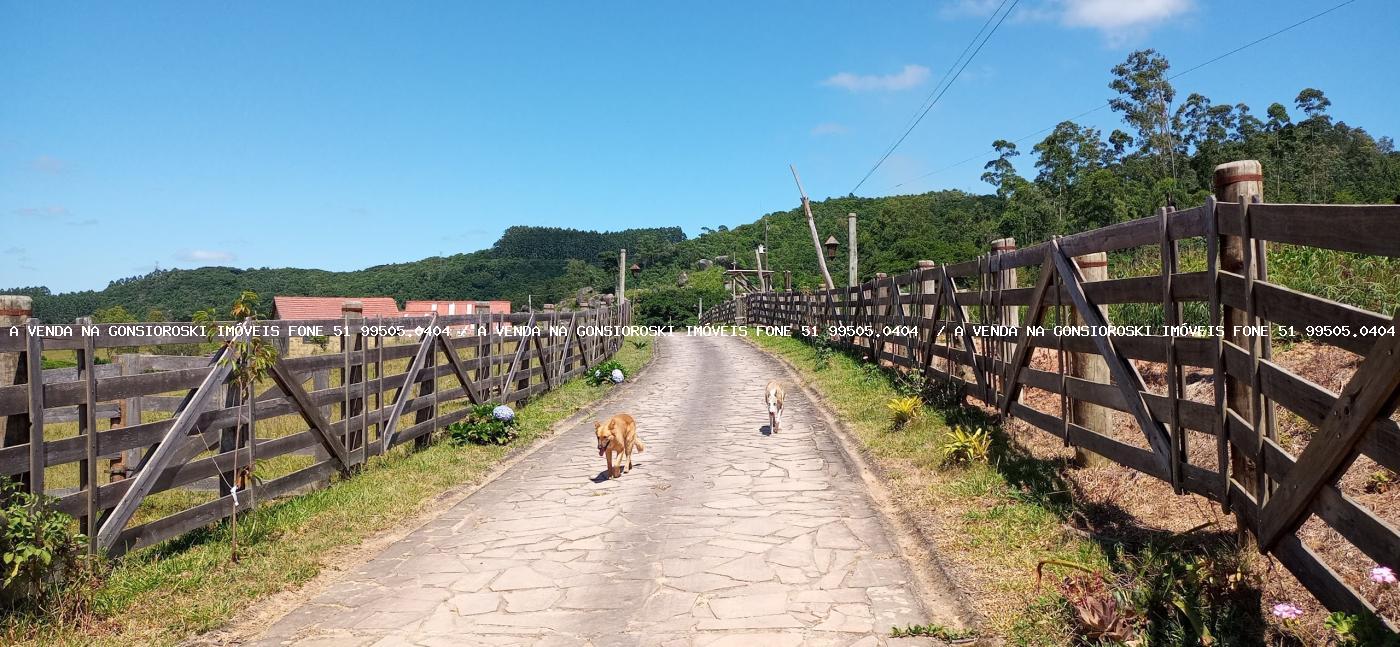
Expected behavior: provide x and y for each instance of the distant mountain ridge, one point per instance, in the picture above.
(540, 263)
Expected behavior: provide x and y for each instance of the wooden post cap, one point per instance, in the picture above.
(1236, 172)
(1096, 259)
(352, 306)
(926, 264)
(15, 305)
(1004, 244)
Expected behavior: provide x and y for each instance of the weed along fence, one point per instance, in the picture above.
(976, 324)
(148, 447)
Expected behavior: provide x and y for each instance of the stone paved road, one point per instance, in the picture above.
(721, 535)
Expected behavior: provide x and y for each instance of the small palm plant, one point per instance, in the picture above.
(905, 410)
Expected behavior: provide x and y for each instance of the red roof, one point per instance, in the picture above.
(445, 308)
(330, 307)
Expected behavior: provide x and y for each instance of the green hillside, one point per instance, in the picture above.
(539, 261)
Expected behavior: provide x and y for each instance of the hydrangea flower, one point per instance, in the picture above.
(1383, 575)
(1287, 611)
(503, 413)
(617, 376)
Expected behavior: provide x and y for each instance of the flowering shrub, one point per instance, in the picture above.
(609, 372)
(503, 412)
(1287, 611)
(486, 425)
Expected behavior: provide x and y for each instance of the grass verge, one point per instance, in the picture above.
(991, 522)
(171, 591)
(1015, 508)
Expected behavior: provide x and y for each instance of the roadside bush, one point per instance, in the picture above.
(1189, 596)
(486, 425)
(609, 372)
(44, 559)
(904, 410)
(963, 445)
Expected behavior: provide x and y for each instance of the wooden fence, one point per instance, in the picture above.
(381, 385)
(927, 320)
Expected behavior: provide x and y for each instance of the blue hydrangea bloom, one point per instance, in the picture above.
(503, 412)
(617, 376)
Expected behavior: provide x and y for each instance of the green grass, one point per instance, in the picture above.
(188, 585)
(1000, 518)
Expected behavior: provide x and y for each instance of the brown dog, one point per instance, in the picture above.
(618, 436)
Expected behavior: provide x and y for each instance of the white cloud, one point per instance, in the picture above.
(49, 164)
(910, 76)
(51, 211)
(828, 128)
(1117, 20)
(1113, 16)
(205, 256)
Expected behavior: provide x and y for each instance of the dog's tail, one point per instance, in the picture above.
(638, 446)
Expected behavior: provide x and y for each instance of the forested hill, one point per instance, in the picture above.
(548, 263)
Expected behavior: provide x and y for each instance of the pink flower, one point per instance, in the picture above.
(1382, 575)
(1287, 611)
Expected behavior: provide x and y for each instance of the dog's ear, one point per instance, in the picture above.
(612, 424)
(597, 425)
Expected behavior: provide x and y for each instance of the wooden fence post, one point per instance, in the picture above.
(1010, 316)
(119, 465)
(928, 287)
(877, 319)
(14, 311)
(1237, 182)
(352, 373)
(428, 389)
(1090, 367)
(787, 280)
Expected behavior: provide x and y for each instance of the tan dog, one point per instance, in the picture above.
(618, 436)
(773, 397)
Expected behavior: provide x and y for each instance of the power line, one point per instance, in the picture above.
(1108, 103)
(914, 117)
(940, 93)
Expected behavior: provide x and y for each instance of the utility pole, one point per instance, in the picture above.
(621, 276)
(854, 278)
(812, 225)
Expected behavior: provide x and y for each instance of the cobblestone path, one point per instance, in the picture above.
(721, 535)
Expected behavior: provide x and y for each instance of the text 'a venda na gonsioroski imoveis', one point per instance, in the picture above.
(275, 329)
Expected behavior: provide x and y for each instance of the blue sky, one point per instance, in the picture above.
(340, 135)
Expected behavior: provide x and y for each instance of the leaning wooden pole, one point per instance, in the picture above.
(812, 225)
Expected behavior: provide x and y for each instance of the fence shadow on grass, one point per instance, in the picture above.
(1181, 582)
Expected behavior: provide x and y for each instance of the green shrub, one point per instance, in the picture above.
(962, 446)
(486, 425)
(905, 409)
(43, 557)
(1356, 631)
(605, 373)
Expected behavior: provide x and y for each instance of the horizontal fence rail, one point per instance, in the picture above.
(974, 325)
(180, 447)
